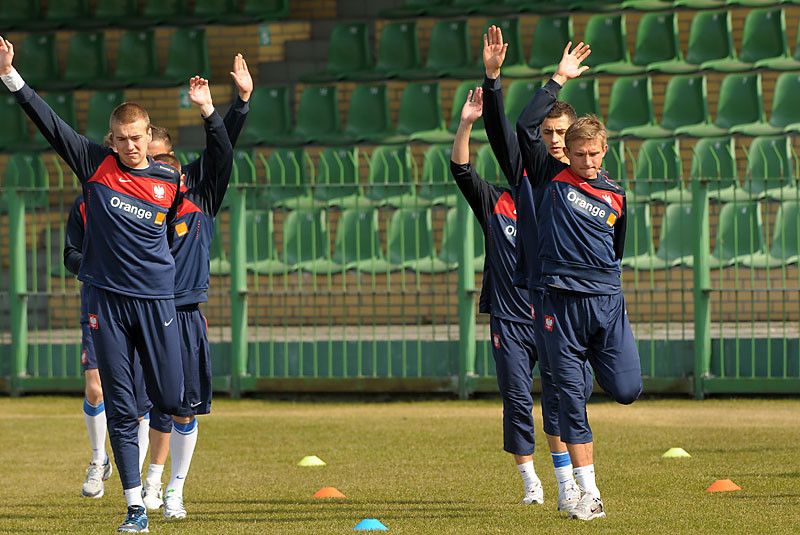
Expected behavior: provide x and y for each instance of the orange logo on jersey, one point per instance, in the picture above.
(611, 220)
(181, 229)
(160, 217)
(93, 321)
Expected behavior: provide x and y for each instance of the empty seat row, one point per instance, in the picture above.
(27, 14)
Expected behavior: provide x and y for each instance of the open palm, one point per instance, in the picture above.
(494, 51)
(473, 107)
(570, 65)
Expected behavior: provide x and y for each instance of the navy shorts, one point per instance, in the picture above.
(196, 357)
(594, 328)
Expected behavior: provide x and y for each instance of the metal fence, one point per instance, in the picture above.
(354, 269)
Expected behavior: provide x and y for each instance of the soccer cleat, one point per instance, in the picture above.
(173, 505)
(588, 508)
(534, 493)
(136, 521)
(151, 495)
(568, 496)
(94, 487)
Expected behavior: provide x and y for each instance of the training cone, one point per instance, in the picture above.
(311, 460)
(329, 492)
(370, 524)
(723, 485)
(674, 453)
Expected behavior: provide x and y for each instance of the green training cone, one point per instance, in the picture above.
(311, 460)
(675, 452)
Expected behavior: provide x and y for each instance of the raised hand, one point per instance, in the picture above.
(494, 51)
(241, 77)
(6, 56)
(473, 107)
(570, 65)
(200, 94)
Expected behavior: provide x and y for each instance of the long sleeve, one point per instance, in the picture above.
(73, 239)
(476, 190)
(217, 163)
(539, 164)
(235, 119)
(500, 132)
(620, 229)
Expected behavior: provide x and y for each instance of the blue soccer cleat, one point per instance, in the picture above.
(136, 521)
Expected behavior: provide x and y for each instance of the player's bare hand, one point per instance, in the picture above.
(241, 77)
(6, 56)
(494, 51)
(570, 65)
(200, 94)
(473, 107)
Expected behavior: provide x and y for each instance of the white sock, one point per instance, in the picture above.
(154, 474)
(134, 496)
(562, 466)
(585, 477)
(95, 417)
(528, 474)
(144, 439)
(182, 441)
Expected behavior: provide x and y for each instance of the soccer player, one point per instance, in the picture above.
(129, 273)
(580, 219)
(206, 179)
(93, 407)
(511, 325)
(505, 146)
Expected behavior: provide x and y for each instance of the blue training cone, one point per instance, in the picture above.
(370, 524)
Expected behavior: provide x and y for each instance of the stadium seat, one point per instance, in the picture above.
(676, 240)
(101, 104)
(739, 234)
(412, 8)
(700, 4)
(368, 116)
(685, 104)
(186, 156)
(763, 37)
(305, 240)
(658, 172)
(714, 159)
(639, 249)
(455, 8)
(785, 239)
(137, 59)
(87, 60)
(514, 57)
(630, 104)
(213, 11)
(448, 51)
(260, 255)
(656, 41)
(392, 176)
(64, 106)
(517, 96)
(459, 98)
(288, 182)
(549, 37)
(535, 6)
(218, 259)
(36, 60)
(770, 168)
(453, 237)
(606, 33)
(187, 56)
(420, 113)
(19, 14)
(348, 54)
(260, 10)
(115, 12)
(783, 63)
(318, 117)
(437, 185)
(14, 133)
(785, 109)
(71, 13)
(244, 170)
(583, 95)
(710, 39)
(615, 162)
(168, 12)
(28, 170)
(487, 167)
(398, 51)
(647, 5)
(409, 242)
(357, 244)
(268, 121)
(337, 181)
(739, 103)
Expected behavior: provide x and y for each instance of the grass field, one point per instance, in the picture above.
(419, 467)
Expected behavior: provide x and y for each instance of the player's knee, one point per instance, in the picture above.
(183, 420)
(628, 395)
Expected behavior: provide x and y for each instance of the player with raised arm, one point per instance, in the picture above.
(131, 204)
(511, 324)
(503, 140)
(580, 218)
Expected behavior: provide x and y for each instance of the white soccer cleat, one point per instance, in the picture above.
(96, 474)
(588, 508)
(173, 505)
(534, 494)
(151, 495)
(568, 496)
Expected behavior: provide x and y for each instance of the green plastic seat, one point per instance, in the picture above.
(770, 168)
(606, 35)
(357, 244)
(391, 177)
(739, 234)
(87, 60)
(398, 51)
(261, 255)
(348, 54)
(218, 258)
(675, 243)
(187, 56)
(455, 8)
(710, 39)
(647, 5)
(630, 104)
(437, 185)
(211, 11)
(36, 60)
(639, 249)
(658, 171)
(268, 121)
(517, 96)
(318, 117)
(549, 37)
(448, 51)
(615, 162)
(70, 13)
(15, 123)
(453, 237)
(783, 63)
(656, 41)
(510, 27)
(261, 10)
(714, 159)
(63, 104)
(785, 116)
(459, 98)
(410, 241)
(700, 4)
(168, 12)
(338, 177)
(411, 8)
(243, 171)
(739, 103)
(27, 170)
(19, 14)
(487, 166)
(101, 104)
(763, 37)
(685, 105)
(420, 114)
(187, 156)
(368, 116)
(137, 59)
(115, 12)
(583, 95)
(305, 240)
(785, 249)
(288, 178)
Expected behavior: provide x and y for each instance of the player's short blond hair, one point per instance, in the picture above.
(169, 159)
(127, 113)
(586, 127)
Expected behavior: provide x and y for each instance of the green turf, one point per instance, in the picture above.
(419, 467)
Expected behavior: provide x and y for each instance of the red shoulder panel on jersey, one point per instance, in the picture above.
(149, 189)
(613, 199)
(187, 207)
(505, 206)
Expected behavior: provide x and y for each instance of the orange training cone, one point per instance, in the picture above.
(723, 485)
(329, 492)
